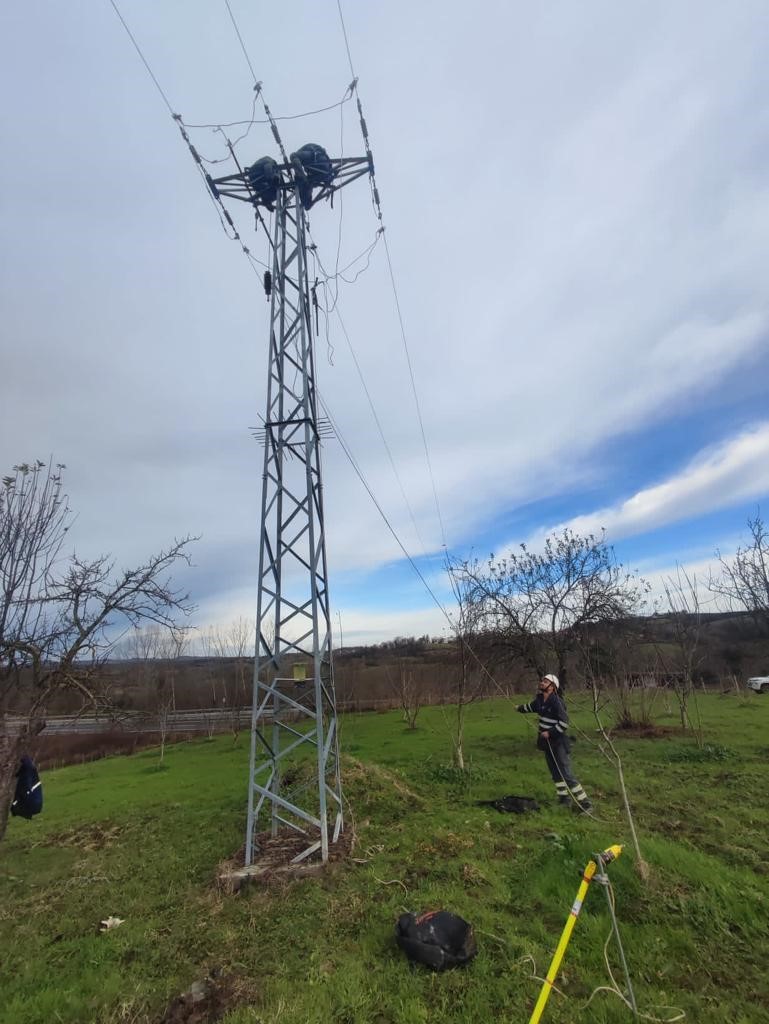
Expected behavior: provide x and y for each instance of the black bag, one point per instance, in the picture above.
(436, 939)
(28, 798)
(511, 804)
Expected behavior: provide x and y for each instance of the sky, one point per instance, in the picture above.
(577, 209)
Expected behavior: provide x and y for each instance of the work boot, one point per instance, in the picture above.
(564, 799)
(582, 806)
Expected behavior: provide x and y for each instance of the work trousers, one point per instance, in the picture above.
(558, 756)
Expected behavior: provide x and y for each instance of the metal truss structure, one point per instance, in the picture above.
(293, 720)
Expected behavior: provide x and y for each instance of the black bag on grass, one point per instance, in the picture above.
(28, 798)
(511, 804)
(436, 939)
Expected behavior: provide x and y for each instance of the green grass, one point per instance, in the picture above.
(120, 837)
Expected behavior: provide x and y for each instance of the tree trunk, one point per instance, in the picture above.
(459, 739)
(11, 749)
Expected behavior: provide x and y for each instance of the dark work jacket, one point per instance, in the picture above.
(553, 716)
(28, 798)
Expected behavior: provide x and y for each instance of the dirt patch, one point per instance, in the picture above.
(91, 836)
(273, 861)
(208, 1000)
(644, 732)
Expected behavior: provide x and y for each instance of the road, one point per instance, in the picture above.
(201, 720)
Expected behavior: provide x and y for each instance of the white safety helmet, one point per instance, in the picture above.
(552, 679)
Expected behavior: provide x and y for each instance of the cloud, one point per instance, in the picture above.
(578, 224)
(720, 476)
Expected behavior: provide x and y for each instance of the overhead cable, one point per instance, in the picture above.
(379, 428)
(378, 209)
(257, 85)
(359, 473)
(240, 39)
(143, 58)
(225, 219)
(441, 607)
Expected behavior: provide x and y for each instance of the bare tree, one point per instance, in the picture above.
(241, 636)
(610, 752)
(234, 644)
(683, 601)
(470, 670)
(170, 645)
(209, 653)
(539, 603)
(59, 616)
(743, 580)
(407, 691)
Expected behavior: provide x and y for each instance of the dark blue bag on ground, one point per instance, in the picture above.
(28, 798)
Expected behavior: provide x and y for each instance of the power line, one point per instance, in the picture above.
(378, 210)
(143, 58)
(379, 428)
(257, 85)
(383, 514)
(240, 39)
(346, 40)
(414, 390)
(224, 217)
(446, 614)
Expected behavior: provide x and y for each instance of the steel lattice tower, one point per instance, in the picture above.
(293, 720)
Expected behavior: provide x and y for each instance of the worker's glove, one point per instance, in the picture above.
(521, 708)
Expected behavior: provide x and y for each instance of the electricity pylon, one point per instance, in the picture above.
(294, 705)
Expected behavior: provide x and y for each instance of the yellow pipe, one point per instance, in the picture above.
(607, 856)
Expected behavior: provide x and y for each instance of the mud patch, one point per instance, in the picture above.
(273, 861)
(95, 835)
(208, 1000)
(644, 732)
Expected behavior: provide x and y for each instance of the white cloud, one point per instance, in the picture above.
(727, 474)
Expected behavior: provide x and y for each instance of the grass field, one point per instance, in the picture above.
(121, 837)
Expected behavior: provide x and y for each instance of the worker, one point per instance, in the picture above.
(554, 741)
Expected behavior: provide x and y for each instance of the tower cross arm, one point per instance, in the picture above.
(259, 183)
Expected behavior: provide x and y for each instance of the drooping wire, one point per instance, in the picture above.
(224, 214)
(278, 117)
(253, 120)
(341, 209)
(367, 253)
(378, 210)
(250, 124)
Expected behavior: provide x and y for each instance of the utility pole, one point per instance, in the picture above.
(293, 718)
